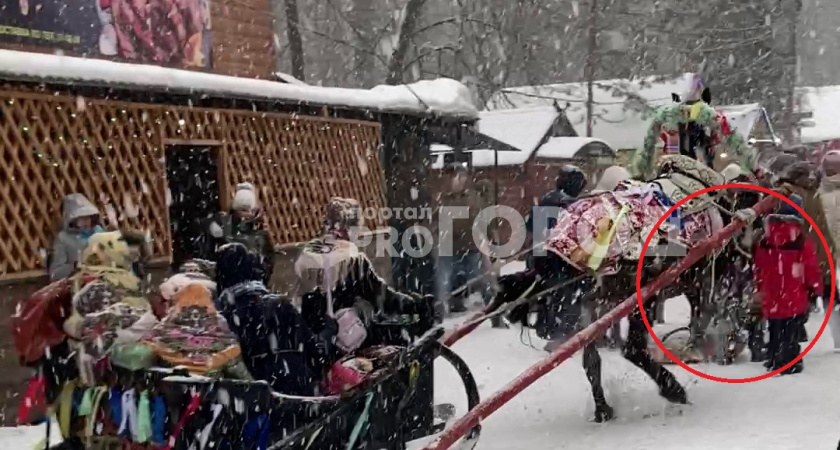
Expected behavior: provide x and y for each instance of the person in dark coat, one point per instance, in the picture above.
(459, 254)
(787, 275)
(570, 183)
(277, 345)
(333, 275)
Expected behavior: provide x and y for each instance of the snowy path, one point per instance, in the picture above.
(781, 413)
(787, 413)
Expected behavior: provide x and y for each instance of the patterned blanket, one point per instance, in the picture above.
(597, 232)
(194, 335)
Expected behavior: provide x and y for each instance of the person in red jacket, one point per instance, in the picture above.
(787, 275)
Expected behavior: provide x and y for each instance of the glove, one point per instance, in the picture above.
(820, 305)
(746, 215)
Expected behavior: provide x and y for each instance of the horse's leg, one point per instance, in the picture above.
(659, 309)
(635, 350)
(592, 366)
(702, 313)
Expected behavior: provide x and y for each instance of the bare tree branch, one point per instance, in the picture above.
(396, 66)
(348, 44)
(295, 39)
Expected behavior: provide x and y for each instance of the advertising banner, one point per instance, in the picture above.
(172, 33)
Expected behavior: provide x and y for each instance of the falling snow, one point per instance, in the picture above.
(379, 97)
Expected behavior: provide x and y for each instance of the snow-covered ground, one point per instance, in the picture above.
(782, 413)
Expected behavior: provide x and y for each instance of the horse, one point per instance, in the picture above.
(558, 281)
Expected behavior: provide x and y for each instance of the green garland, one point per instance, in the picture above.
(668, 118)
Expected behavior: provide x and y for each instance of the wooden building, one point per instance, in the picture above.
(154, 145)
(536, 143)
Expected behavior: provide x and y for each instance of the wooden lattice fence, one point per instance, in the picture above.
(113, 152)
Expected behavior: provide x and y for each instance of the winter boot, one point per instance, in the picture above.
(803, 334)
(603, 413)
(794, 369)
(755, 343)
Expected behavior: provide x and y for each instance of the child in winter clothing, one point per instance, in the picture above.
(787, 276)
(245, 224)
(80, 222)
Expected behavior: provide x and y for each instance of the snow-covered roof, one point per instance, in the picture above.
(554, 148)
(621, 107)
(743, 117)
(824, 103)
(523, 128)
(442, 96)
(286, 78)
(567, 147)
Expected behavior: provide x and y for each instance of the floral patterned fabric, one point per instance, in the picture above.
(584, 224)
(106, 295)
(194, 334)
(100, 326)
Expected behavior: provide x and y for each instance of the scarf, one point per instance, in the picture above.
(193, 334)
(327, 262)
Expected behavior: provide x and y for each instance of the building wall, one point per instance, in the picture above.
(243, 43)
(520, 187)
(113, 152)
(240, 37)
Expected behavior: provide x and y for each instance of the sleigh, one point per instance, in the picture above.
(391, 406)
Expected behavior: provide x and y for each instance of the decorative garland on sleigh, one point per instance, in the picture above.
(666, 122)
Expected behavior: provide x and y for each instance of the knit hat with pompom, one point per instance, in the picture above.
(245, 198)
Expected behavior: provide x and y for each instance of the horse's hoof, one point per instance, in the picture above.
(674, 393)
(603, 414)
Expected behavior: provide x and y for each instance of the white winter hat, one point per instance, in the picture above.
(245, 198)
(611, 177)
